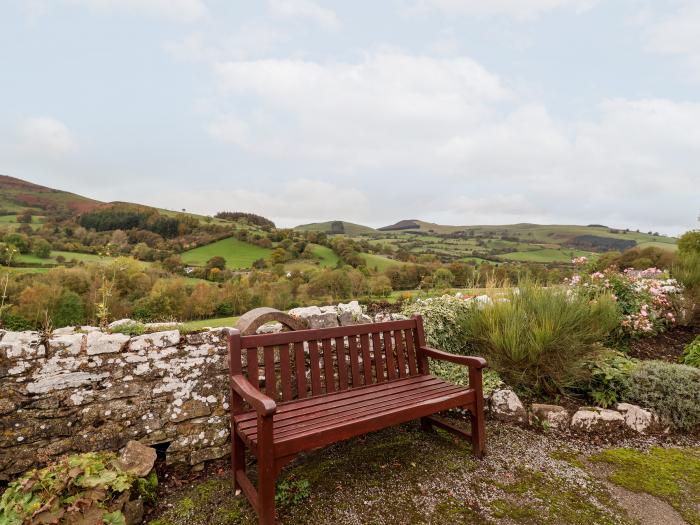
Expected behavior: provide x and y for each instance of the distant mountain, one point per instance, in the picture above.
(336, 227)
(17, 194)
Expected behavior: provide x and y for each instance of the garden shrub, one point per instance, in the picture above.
(85, 488)
(443, 318)
(608, 381)
(691, 354)
(672, 390)
(687, 272)
(538, 339)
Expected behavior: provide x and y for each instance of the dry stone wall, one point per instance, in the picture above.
(83, 389)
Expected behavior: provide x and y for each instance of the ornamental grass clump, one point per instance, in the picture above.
(691, 354)
(538, 339)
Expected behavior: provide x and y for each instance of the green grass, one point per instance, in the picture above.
(349, 227)
(17, 270)
(671, 474)
(209, 323)
(661, 245)
(379, 262)
(238, 254)
(327, 256)
(547, 255)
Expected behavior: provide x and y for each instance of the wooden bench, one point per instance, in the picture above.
(330, 384)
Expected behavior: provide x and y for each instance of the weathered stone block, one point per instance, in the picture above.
(593, 419)
(99, 343)
(155, 340)
(506, 405)
(551, 416)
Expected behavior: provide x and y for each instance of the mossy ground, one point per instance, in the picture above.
(671, 474)
(405, 476)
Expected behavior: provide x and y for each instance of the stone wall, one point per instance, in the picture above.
(83, 389)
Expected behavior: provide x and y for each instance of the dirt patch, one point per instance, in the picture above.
(667, 346)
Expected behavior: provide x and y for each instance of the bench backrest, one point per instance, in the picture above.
(299, 364)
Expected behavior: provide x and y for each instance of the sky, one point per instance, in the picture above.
(449, 111)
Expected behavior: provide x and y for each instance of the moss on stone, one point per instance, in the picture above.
(569, 456)
(670, 474)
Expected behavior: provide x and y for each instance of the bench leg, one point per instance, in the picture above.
(426, 424)
(267, 473)
(476, 417)
(237, 457)
(266, 491)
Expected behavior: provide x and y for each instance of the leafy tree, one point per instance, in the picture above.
(689, 242)
(217, 262)
(41, 248)
(19, 241)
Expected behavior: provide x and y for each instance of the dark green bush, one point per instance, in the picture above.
(539, 339)
(672, 390)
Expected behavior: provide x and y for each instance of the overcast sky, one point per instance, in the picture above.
(452, 111)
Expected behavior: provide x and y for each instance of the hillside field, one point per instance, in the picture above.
(238, 254)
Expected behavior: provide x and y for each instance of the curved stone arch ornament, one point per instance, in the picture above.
(250, 321)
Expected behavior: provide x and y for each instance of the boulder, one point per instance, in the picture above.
(99, 343)
(137, 459)
(549, 416)
(637, 418)
(349, 313)
(119, 323)
(270, 328)
(316, 317)
(594, 419)
(506, 405)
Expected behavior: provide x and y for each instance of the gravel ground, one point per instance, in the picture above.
(404, 476)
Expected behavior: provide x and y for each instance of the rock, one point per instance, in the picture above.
(137, 459)
(207, 454)
(506, 405)
(270, 328)
(483, 300)
(189, 410)
(155, 340)
(100, 343)
(349, 313)
(637, 418)
(593, 419)
(119, 323)
(67, 330)
(133, 512)
(68, 344)
(316, 317)
(549, 416)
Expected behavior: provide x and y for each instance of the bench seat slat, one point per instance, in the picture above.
(292, 410)
(334, 415)
(297, 428)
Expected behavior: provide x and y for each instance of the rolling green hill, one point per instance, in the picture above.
(17, 195)
(347, 228)
(238, 254)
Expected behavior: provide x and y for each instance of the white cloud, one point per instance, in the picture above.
(295, 202)
(324, 17)
(181, 10)
(678, 34)
(521, 9)
(45, 135)
(455, 131)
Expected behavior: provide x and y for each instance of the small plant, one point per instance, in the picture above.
(670, 389)
(609, 378)
(691, 354)
(292, 492)
(131, 328)
(69, 490)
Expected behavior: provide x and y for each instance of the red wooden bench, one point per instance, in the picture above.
(330, 384)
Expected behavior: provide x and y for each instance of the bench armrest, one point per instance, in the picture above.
(262, 404)
(466, 360)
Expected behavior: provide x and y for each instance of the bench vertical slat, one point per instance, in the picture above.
(328, 365)
(253, 372)
(411, 352)
(285, 372)
(342, 364)
(400, 358)
(315, 368)
(366, 359)
(354, 361)
(378, 362)
(389, 352)
(300, 367)
(423, 365)
(270, 379)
